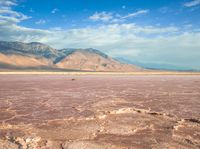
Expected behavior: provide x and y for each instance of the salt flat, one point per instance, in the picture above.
(99, 111)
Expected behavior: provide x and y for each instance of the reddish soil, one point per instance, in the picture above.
(99, 111)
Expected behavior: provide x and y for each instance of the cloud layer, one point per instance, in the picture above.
(102, 16)
(130, 15)
(192, 3)
(113, 18)
(7, 15)
(168, 45)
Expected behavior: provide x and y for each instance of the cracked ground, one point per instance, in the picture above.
(99, 111)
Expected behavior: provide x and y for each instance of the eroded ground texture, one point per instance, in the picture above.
(97, 112)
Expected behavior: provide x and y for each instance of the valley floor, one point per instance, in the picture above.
(73, 111)
(78, 72)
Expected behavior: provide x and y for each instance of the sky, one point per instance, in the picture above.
(163, 32)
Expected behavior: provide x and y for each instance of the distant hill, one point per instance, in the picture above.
(157, 66)
(35, 55)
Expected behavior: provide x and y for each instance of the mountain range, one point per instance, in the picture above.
(38, 56)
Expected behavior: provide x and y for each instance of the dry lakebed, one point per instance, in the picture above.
(99, 111)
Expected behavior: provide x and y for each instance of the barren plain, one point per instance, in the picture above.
(99, 111)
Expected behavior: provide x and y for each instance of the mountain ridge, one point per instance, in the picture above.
(39, 55)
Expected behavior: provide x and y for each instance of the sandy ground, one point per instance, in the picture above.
(99, 111)
(44, 72)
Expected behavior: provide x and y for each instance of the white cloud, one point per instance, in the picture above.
(139, 12)
(40, 22)
(114, 18)
(188, 26)
(7, 2)
(101, 16)
(7, 15)
(54, 10)
(192, 3)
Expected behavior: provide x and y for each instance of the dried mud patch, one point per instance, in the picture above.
(99, 112)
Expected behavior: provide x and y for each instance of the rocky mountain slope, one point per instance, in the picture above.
(36, 55)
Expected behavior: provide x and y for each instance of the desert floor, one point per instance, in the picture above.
(99, 111)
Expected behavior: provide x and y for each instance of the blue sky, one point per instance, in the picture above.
(146, 31)
(67, 14)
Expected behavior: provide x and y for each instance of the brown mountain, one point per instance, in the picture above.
(18, 55)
